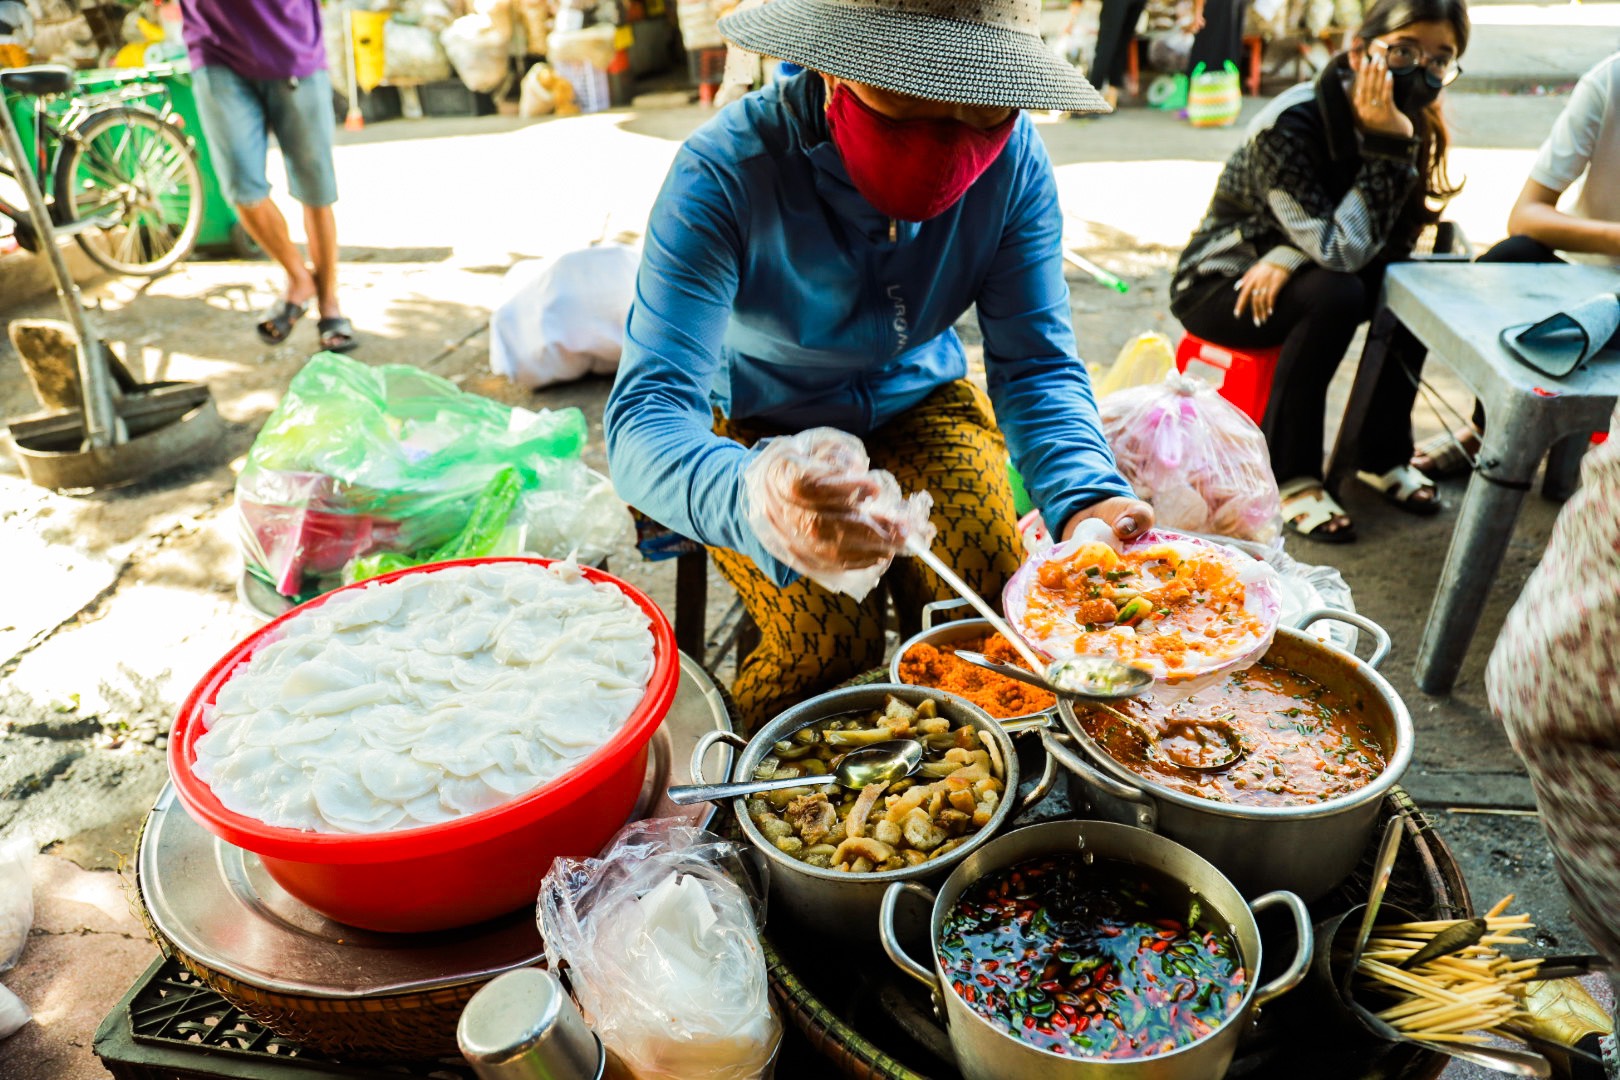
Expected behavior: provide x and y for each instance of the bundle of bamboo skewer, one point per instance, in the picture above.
(1451, 983)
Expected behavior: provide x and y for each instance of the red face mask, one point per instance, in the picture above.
(911, 170)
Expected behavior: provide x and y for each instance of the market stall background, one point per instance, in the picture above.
(128, 596)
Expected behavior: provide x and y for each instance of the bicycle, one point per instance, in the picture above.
(120, 175)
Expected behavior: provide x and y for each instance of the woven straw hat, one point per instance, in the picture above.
(972, 52)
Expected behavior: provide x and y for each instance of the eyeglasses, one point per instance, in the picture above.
(1438, 72)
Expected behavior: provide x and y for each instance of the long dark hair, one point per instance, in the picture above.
(1388, 16)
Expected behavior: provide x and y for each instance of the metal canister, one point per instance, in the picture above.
(523, 1026)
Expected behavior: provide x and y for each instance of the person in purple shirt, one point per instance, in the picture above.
(259, 66)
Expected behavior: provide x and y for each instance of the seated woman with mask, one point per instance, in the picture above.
(1335, 182)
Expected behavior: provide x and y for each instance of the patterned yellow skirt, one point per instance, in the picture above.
(812, 639)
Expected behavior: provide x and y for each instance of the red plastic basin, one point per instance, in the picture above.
(457, 872)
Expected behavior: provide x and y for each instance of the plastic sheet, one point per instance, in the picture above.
(1201, 463)
(660, 938)
(816, 504)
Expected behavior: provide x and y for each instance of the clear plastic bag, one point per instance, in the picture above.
(660, 938)
(816, 503)
(16, 896)
(1200, 461)
(357, 460)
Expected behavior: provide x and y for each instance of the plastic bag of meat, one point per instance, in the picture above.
(1200, 461)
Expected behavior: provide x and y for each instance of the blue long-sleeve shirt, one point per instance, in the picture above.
(771, 289)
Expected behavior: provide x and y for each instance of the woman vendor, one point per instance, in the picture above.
(811, 249)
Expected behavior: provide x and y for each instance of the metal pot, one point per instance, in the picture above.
(944, 634)
(1307, 849)
(985, 1052)
(846, 905)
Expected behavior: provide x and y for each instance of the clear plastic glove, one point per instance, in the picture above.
(816, 503)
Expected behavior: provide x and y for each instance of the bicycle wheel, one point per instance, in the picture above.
(138, 173)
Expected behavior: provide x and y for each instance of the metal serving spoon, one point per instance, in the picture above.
(881, 763)
(1134, 684)
(1094, 678)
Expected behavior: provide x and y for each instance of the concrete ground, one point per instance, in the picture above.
(118, 602)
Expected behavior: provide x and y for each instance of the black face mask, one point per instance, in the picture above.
(1413, 91)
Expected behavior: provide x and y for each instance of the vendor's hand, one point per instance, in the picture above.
(1129, 517)
(1197, 23)
(1373, 94)
(1257, 291)
(817, 511)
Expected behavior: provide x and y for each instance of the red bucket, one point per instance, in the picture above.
(457, 872)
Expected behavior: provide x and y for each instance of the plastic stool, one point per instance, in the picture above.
(711, 72)
(1242, 377)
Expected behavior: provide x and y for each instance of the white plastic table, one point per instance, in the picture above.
(1458, 310)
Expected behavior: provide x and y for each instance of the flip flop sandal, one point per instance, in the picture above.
(1306, 508)
(337, 334)
(277, 321)
(1448, 457)
(1400, 485)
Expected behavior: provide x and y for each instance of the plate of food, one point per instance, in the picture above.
(1177, 606)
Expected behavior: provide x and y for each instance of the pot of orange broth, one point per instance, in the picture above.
(1325, 738)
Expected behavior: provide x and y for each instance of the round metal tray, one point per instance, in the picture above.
(216, 904)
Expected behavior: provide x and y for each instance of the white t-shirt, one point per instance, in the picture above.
(1585, 146)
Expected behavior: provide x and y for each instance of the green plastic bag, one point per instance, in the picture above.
(358, 461)
(484, 534)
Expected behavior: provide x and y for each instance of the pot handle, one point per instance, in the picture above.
(1146, 810)
(1381, 642)
(1302, 954)
(1043, 787)
(707, 742)
(891, 941)
(939, 607)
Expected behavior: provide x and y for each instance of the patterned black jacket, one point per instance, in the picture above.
(1306, 187)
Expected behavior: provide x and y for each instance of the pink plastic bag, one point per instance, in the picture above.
(1201, 463)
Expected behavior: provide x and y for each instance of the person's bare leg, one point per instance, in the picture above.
(263, 222)
(320, 227)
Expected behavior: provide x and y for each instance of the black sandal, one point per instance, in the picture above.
(278, 320)
(337, 334)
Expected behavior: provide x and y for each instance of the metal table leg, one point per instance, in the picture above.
(1484, 529)
(1343, 462)
(1564, 467)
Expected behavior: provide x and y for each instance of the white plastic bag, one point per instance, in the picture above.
(660, 939)
(594, 46)
(1200, 461)
(413, 54)
(16, 896)
(563, 318)
(13, 1013)
(476, 45)
(794, 495)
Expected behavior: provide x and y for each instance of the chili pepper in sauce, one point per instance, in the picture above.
(1087, 959)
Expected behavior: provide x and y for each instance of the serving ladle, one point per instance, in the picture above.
(1093, 678)
(881, 763)
(1228, 738)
